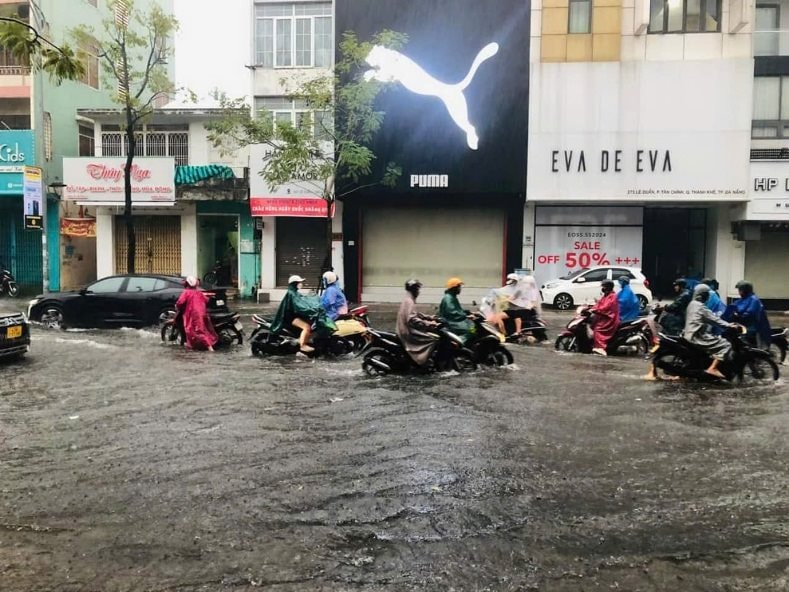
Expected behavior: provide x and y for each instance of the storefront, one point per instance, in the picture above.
(627, 170)
(457, 208)
(765, 230)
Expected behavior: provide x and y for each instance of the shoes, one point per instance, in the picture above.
(599, 352)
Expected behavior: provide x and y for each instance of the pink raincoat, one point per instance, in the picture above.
(606, 320)
(199, 331)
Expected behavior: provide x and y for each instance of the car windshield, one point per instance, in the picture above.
(574, 274)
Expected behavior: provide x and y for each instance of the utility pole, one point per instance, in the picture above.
(40, 23)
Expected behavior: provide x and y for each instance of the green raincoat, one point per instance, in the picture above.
(453, 315)
(295, 305)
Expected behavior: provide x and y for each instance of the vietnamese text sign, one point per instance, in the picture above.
(17, 149)
(32, 192)
(100, 181)
(295, 207)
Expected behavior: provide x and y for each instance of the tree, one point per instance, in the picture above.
(133, 51)
(329, 147)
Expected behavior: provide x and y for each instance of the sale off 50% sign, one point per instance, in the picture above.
(586, 254)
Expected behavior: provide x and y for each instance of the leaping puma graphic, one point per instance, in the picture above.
(389, 65)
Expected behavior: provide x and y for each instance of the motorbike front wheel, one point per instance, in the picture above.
(378, 362)
(229, 336)
(500, 356)
(209, 279)
(669, 366)
(763, 369)
(463, 361)
(13, 290)
(566, 343)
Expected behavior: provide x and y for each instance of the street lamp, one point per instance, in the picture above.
(57, 188)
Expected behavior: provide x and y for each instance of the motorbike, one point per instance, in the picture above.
(487, 343)
(533, 330)
(219, 275)
(632, 337)
(8, 284)
(676, 357)
(386, 355)
(340, 343)
(226, 324)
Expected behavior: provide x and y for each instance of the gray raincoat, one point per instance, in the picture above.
(412, 329)
(698, 319)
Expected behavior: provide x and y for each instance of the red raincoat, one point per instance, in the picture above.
(199, 331)
(606, 320)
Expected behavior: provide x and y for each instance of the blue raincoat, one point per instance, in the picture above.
(750, 312)
(629, 306)
(334, 302)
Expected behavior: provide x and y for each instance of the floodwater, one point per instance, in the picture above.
(128, 465)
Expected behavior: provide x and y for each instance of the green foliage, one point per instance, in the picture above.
(332, 147)
(28, 46)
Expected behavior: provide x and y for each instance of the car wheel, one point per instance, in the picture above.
(642, 302)
(563, 301)
(52, 317)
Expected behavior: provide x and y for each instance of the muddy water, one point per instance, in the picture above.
(127, 465)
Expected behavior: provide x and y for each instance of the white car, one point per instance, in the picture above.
(583, 286)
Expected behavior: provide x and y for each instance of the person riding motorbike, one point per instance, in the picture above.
(450, 311)
(749, 311)
(198, 329)
(715, 304)
(673, 318)
(299, 311)
(514, 302)
(333, 300)
(413, 327)
(606, 319)
(629, 306)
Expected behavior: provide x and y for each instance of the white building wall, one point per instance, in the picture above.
(105, 242)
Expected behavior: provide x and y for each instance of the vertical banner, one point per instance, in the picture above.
(32, 191)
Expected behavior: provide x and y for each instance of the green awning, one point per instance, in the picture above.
(189, 175)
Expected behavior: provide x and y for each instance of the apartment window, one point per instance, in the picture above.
(9, 64)
(770, 107)
(685, 16)
(90, 59)
(580, 20)
(297, 113)
(87, 140)
(294, 35)
(14, 122)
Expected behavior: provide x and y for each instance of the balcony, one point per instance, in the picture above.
(151, 142)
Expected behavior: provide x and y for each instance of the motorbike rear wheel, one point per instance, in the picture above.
(377, 362)
(209, 279)
(669, 366)
(566, 343)
(229, 335)
(500, 356)
(763, 369)
(463, 361)
(12, 290)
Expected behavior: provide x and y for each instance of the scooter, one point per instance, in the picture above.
(265, 343)
(386, 355)
(677, 357)
(226, 324)
(533, 330)
(631, 337)
(487, 343)
(8, 284)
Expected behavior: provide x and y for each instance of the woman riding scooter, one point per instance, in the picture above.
(606, 320)
(198, 329)
(300, 312)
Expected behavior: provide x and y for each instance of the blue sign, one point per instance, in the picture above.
(17, 149)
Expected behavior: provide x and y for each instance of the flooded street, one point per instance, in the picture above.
(128, 465)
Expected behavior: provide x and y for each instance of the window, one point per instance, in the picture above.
(9, 64)
(597, 275)
(580, 16)
(770, 107)
(767, 34)
(618, 273)
(89, 56)
(87, 140)
(294, 35)
(296, 112)
(107, 286)
(685, 16)
(141, 284)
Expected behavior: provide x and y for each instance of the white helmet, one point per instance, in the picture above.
(295, 278)
(513, 278)
(192, 281)
(330, 278)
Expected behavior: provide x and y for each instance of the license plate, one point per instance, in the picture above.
(14, 332)
(238, 326)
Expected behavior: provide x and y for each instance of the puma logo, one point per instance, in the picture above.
(389, 65)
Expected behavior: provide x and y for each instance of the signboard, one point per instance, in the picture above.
(299, 199)
(32, 192)
(78, 227)
(769, 191)
(680, 142)
(455, 111)
(17, 149)
(99, 181)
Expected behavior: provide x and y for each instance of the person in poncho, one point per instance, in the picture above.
(300, 312)
(198, 329)
(748, 311)
(606, 318)
(333, 300)
(629, 306)
(413, 328)
(698, 319)
(450, 311)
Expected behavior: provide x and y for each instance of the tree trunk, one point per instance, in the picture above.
(327, 262)
(128, 217)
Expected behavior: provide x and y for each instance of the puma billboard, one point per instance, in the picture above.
(456, 109)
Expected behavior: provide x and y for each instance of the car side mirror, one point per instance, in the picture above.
(83, 291)
(580, 280)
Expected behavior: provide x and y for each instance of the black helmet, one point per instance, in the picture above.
(624, 280)
(607, 284)
(745, 286)
(681, 282)
(413, 284)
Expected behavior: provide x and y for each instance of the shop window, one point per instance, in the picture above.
(770, 107)
(294, 35)
(685, 16)
(580, 16)
(87, 140)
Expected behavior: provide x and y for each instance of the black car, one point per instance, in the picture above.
(14, 335)
(116, 301)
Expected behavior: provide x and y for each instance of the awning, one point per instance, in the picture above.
(189, 175)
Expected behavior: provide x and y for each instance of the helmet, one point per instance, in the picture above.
(624, 280)
(711, 282)
(513, 278)
(745, 286)
(413, 284)
(192, 281)
(607, 284)
(681, 282)
(330, 278)
(454, 282)
(701, 292)
(297, 279)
